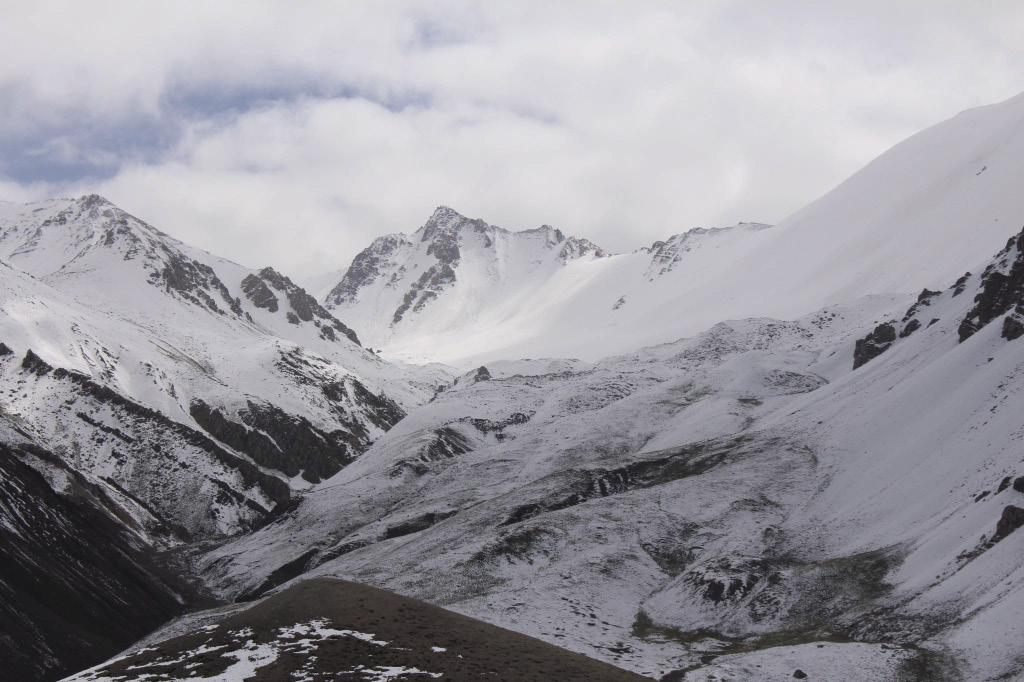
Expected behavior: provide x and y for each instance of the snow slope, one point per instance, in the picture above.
(741, 494)
(888, 228)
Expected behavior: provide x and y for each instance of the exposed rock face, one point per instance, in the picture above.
(911, 327)
(76, 585)
(291, 443)
(195, 282)
(365, 268)
(1011, 520)
(1002, 291)
(415, 525)
(447, 443)
(874, 344)
(665, 255)
(654, 470)
(177, 472)
(277, 440)
(304, 308)
(259, 293)
(426, 288)
(445, 236)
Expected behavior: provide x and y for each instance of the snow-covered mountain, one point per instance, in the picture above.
(451, 273)
(140, 327)
(191, 397)
(738, 454)
(764, 494)
(886, 229)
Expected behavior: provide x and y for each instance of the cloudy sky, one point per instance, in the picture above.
(294, 133)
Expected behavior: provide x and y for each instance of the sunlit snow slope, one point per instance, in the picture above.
(886, 229)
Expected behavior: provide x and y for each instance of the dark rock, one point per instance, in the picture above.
(4, 350)
(417, 524)
(425, 289)
(1002, 289)
(193, 281)
(961, 284)
(498, 427)
(1018, 484)
(447, 443)
(1013, 325)
(381, 410)
(799, 674)
(483, 374)
(279, 576)
(35, 364)
(365, 268)
(911, 327)
(277, 440)
(1004, 484)
(674, 464)
(1011, 520)
(304, 308)
(874, 344)
(923, 299)
(256, 290)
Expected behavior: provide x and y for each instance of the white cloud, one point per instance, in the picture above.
(621, 123)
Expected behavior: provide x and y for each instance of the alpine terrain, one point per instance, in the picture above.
(742, 453)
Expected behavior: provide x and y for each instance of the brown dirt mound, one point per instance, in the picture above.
(414, 642)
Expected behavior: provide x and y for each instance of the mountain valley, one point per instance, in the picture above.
(741, 453)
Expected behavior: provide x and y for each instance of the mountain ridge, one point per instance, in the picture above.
(882, 230)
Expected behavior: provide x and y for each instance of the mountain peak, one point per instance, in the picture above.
(446, 220)
(87, 201)
(444, 214)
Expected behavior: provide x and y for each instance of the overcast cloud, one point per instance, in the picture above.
(294, 133)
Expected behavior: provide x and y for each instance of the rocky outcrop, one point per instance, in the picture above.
(417, 524)
(365, 268)
(256, 290)
(194, 282)
(280, 441)
(1011, 520)
(304, 308)
(425, 289)
(1002, 291)
(874, 344)
(446, 443)
(671, 465)
(425, 264)
(667, 254)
